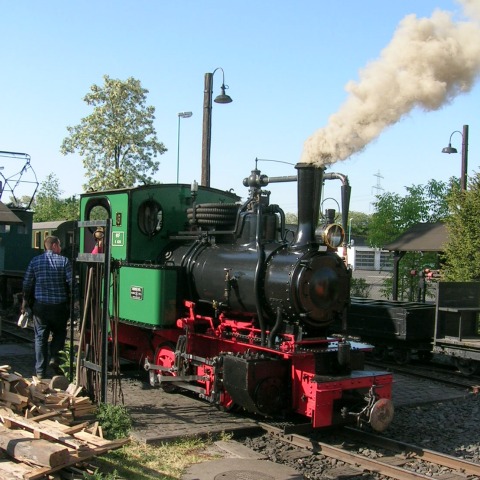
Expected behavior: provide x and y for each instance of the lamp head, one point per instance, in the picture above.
(449, 149)
(223, 97)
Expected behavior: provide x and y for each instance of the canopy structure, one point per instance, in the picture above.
(7, 217)
(422, 237)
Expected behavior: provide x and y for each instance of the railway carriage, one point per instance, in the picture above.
(63, 229)
(15, 254)
(407, 331)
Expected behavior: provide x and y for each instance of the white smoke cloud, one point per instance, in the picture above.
(471, 8)
(427, 64)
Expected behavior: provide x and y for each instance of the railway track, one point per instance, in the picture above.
(352, 453)
(431, 372)
(12, 332)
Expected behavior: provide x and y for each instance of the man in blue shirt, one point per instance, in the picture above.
(47, 287)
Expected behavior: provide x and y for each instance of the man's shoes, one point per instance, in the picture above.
(55, 367)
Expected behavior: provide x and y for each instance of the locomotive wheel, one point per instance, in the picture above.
(269, 396)
(165, 356)
(402, 357)
(181, 365)
(467, 367)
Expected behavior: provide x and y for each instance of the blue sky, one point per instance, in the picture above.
(286, 64)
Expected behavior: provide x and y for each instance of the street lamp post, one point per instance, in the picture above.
(180, 115)
(450, 149)
(207, 121)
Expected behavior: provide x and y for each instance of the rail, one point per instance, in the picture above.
(395, 464)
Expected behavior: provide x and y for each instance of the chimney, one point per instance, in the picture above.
(309, 185)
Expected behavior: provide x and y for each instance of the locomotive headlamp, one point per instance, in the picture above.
(331, 235)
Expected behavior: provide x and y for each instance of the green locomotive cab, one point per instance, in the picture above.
(143, 221)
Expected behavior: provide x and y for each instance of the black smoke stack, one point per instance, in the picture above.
(309, 185)
(346, 190)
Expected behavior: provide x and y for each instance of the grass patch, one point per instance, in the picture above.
(167, 461)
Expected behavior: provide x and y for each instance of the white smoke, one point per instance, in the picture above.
(471, 8)
(427, 64)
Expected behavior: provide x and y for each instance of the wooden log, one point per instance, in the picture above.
(21, 446)
(59, 383)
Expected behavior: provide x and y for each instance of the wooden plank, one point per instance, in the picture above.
(21, 446)
(21, 387)
(111, 445)
(13, 470)
(45, 416)
(40, 431)
(14, 398)
(92, 439)
(10, 377)
(75, 428)
(40, 473)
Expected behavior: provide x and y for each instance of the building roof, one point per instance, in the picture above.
(422, 237)
(7, 217)
(47, 225)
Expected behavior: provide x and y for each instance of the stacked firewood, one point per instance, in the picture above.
(36, 397)
(45, 426)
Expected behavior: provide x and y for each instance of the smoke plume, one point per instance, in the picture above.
(427, 64)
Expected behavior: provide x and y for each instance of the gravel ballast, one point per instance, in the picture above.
(450, 427)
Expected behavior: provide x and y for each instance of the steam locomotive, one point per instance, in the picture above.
(218, 297)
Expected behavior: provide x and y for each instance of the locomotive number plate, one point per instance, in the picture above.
(136, 293)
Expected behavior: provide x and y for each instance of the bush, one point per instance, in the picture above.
(359, 288)
(114, 420)
(65, 362)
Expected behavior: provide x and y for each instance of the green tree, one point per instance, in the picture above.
(117, 141)
(358, 225)
(394, 214)
(49, 206)
(22, 202)
(291, 218)
(462, 250)
(71, 208)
